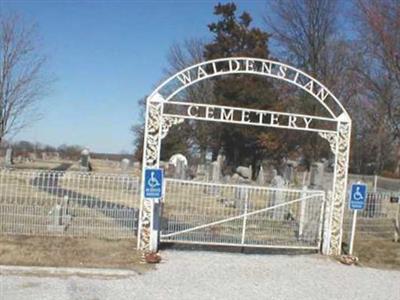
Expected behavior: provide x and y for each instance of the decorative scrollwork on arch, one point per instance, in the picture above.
(331, 137)
(167, 123)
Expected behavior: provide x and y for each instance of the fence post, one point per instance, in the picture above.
(375, 182)
(302, 211)
(327, 223)
(397, 224)
(246, 204)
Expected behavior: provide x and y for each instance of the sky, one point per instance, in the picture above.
(104, 57)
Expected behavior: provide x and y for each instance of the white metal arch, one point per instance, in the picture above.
(158, 124)
(282, 74)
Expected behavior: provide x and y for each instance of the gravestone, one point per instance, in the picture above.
(214, 177)
(180, 170)
(241, 194)
(201, 172)
(215, 172)
(56, 156)
(317, 175)
(8, 162)
(169, 170)
(125, 162)
(261, 176)
(289, 171)
(84, 162)
(278, 197)
(32, 156)
(245, 172)
(44, 155)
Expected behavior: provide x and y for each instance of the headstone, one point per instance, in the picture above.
(214, 176)
(215, 172)
(261, 176)
(317, 175)
(180, 170)
(125, 162)
(44, 155)
(178, 157)
(9, 158)
(289, 172)
(278, 197)
(56, 156)
(241, 194)
(169, 171)
(201, 173)
(32, 156)
(85, 160)
(245, 172)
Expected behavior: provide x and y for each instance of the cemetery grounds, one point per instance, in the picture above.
(98, 222)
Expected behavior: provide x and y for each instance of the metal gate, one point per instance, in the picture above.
(241, 215)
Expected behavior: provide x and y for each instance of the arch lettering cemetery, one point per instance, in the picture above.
(317, 217)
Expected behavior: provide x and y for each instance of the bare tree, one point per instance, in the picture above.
(306, 35)
(378, 25)
(22, 80)
(180, 56)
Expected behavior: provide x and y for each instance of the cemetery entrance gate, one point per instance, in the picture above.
(300, 216)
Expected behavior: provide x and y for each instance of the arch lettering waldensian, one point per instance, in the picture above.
(245, 65)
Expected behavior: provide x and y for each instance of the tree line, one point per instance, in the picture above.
(352, 47)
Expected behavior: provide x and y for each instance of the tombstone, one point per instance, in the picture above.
(44, 155)
(56, 156)
(245, 172)
(9, 158)
(278, 197)
(241, 194)
(317, 175)
(32, 156)
(125, 162)
(261, 176)
(201, 173)
(178, 157)
(215, 172)
(59, 217)
(289, 171)
(169, 170)
(180, 170)
(214, 176)
(84, 162)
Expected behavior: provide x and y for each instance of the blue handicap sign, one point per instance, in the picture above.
(358, 196)
(153, 183)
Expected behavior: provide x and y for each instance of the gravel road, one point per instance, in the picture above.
(214, 275)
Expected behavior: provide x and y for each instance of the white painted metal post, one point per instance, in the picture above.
(302, 212)
(246, 204)
(375, 182)
(353, 231)
(397, 224)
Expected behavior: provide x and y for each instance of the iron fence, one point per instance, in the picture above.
(378, 221)
(107, 206)
(241, 215)
(68, 203)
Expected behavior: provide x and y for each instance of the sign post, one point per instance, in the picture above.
(358, 197)
(154, 190)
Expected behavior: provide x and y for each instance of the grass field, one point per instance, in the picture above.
(70, 252)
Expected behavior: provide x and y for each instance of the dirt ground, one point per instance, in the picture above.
(378, 254)
(70, 252)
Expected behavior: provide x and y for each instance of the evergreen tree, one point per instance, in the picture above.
(234, 37)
